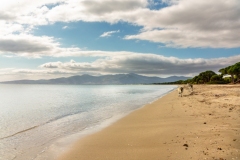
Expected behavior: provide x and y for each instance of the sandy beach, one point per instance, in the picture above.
(202, 125)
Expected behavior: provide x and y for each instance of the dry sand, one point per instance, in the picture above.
(204, 125)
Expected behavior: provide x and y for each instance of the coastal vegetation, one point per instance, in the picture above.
(230, 74)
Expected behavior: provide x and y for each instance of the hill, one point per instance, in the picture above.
(85, 79)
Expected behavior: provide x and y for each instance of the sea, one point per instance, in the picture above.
(40, 122)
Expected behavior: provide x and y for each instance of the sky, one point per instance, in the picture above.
(44, 39)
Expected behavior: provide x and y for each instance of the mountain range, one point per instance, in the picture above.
(85, 79)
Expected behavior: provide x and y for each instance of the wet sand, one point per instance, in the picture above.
(201, 125)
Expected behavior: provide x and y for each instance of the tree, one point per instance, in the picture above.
(216, 78)
(212, 78)
(230, 71)
(223, 71)
(196, 79)
(235, 70)
(206, 76)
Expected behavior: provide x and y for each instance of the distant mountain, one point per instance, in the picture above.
(85, 79)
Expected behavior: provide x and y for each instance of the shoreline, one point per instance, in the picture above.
(198, 126)
(65, 143)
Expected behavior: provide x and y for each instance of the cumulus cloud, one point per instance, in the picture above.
(109, 6)
(45, 12)
(28, 45)
(109, 33)
(189, 23)
(25, 10)
(144, 64)
(186, 39)
(7, 28)
(182, 23)
(147, 64)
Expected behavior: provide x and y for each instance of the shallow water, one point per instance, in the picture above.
(34, 118)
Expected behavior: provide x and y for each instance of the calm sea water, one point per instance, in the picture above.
(38, 121)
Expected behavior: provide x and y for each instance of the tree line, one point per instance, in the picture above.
(210, 77)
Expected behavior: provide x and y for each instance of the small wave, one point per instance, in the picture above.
(19, 132)
(34, 127)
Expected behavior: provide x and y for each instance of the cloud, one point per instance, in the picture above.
(94, 10)
(28, 45)
(185, 39)
(182, 23)
(109, 34)
(147, 64)
(7, 28)
(109, 6)
(189, 23)
(24, 9)
(8, 74)
(144, 64)
(65, 27)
